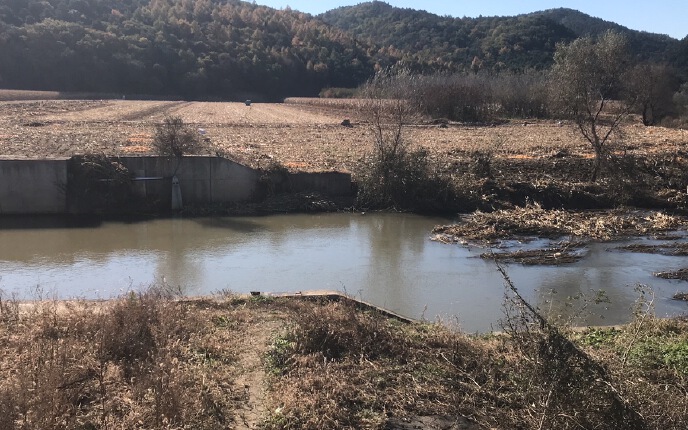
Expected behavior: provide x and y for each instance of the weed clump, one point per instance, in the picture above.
(336, 330)
(340, 367)
(130, 363)
(128, 335)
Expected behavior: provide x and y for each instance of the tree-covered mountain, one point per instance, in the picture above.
(235, 49)
(455, 43)
(195, 48)
(523, 41)
(646, 46)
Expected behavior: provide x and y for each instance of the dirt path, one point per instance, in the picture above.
(258, 331)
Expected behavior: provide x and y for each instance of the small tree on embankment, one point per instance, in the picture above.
(586, 76)
(395, 175)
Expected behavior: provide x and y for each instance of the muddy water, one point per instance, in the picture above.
(386, 259)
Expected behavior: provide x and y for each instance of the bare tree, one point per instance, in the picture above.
(394, 175)
(389, 105)
(173, 138)
(586, 75)
(651, 88)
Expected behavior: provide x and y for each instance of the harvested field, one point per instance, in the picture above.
(304, 135)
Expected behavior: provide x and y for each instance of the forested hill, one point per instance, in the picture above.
(523, 41)
(193, 48)
(646, 46)
(234, 49)
(421, 37)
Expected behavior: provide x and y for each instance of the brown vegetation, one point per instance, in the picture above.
(147, 360)
(336, 367)
(306, 134)
(563, 253)
(534, 221)
(141, 361)
(681, 274)
(14, 95)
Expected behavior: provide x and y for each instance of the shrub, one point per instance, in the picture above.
(99, 183)
(175, 139)
(394, 175)
(456, 97)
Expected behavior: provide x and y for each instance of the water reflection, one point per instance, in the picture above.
(383, 258)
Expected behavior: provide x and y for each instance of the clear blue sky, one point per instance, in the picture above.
(656, 16)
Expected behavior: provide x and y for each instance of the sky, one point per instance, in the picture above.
(656, 16)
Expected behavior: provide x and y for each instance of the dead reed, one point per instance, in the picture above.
(535, 221)
(338, 367)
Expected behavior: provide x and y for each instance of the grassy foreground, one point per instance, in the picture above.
(151, 361)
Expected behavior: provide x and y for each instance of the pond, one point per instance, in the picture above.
(386, 259)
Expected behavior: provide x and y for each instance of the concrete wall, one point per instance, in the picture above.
(232, 181)
(33, 186)
(202, 179)
(39, 186)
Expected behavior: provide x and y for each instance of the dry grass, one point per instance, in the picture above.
(336, 367)
(351, 104)
(142, 361)
(17, 95)
(150, 361)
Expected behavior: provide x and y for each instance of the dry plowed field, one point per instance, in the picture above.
(302, 135)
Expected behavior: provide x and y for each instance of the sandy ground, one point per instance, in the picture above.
(301, 136)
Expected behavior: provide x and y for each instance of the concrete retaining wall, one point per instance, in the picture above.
(33, 186)
(203, 180)
(39, 186)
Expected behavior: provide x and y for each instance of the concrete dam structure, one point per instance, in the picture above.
(98, 184)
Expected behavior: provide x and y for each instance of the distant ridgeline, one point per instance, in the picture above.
(228, 49)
